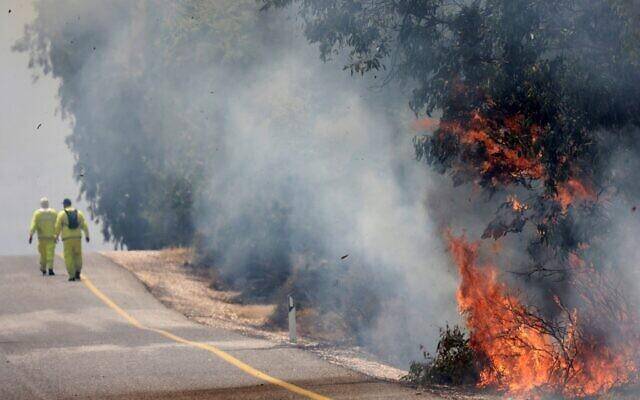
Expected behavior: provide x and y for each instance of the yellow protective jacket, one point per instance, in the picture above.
(44, 222)
(62, 226)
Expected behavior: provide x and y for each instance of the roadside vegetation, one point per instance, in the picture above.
(191, 127)
(454, 363)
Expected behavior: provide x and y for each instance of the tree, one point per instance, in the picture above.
(537, 105)
(142, 157)
(534, 97)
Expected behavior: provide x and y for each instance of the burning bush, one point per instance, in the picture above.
(584, 350)
(534, 99)
(455, 362)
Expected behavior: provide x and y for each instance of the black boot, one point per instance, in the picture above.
(43, 272)
(77, 275)
(51, 273)
(71, 279)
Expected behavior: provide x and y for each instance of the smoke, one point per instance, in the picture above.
(536, 113)
(34, 160)
(221, 120)
(312, 169)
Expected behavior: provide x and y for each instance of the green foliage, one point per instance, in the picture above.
(454, 363)
(542, 80)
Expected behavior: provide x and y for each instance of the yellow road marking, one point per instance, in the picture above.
(212, 349)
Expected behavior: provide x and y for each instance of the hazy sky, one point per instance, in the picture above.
(33, 162)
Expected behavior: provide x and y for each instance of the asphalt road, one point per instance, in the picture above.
(108, 338)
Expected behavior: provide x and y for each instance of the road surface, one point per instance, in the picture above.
(108, 338)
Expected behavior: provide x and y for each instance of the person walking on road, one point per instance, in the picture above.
(70, 224)
(44, 223)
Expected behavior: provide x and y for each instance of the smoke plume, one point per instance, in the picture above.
(216, 124)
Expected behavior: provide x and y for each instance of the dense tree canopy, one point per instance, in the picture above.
(536, 95)
(537, 107)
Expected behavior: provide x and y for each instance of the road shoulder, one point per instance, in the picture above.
(187, 289)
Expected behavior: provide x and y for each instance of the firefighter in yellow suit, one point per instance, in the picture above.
(70, 224)
(43, 223)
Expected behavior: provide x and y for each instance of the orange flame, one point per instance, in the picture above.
(516, 204)
(499, 155)
(425, 124)
(573, 190)
(483, 301)
(524, 353)
(509, 154)
(504, 160)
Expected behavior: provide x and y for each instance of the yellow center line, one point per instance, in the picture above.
(204, 346)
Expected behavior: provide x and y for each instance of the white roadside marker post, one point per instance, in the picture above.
(293, 336)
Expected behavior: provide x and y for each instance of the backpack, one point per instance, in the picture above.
(72, 217)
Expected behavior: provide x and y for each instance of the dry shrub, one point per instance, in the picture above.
(453, 364)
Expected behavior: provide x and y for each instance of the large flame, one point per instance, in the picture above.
(524, 353)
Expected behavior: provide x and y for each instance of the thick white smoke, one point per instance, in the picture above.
(301, 159)
(303, 134)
